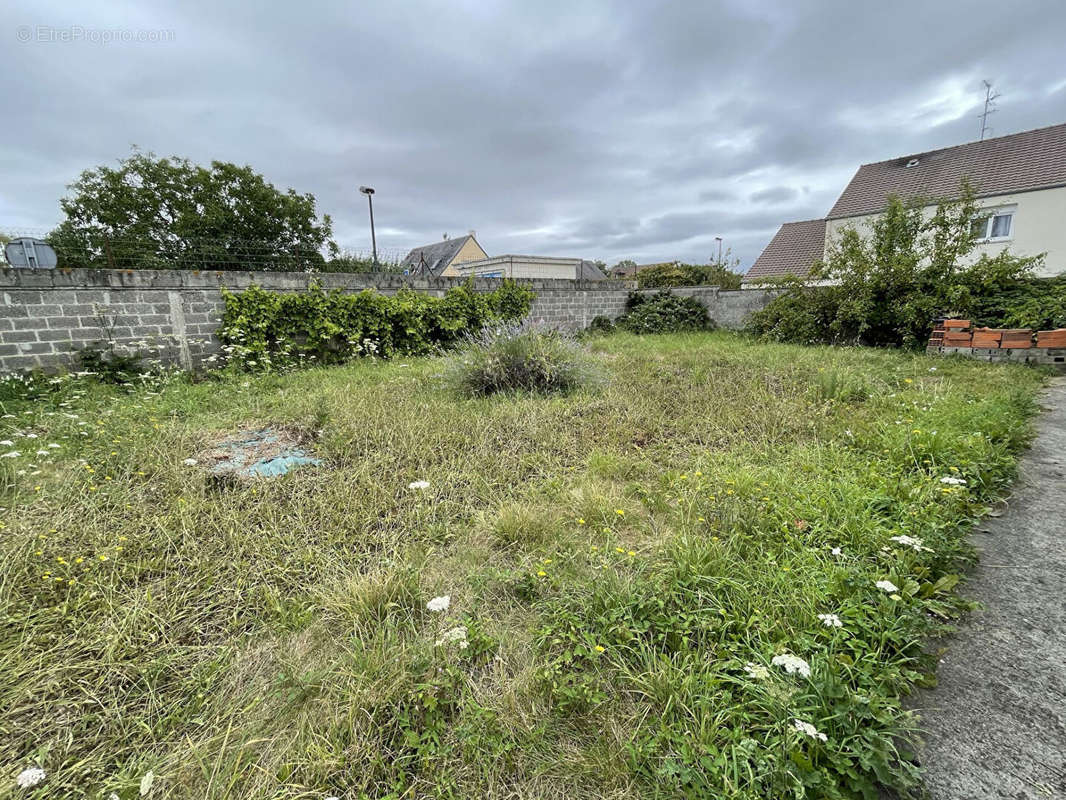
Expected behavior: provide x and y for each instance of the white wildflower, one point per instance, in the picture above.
(953, 481)
(456, 634)
(756, 671)
(6, 443)
(808, 730)
(54, 446)
(910, 541)
(932, 369)
(418, 485)
(42, 453)
(29, 778)
(146, 783)
(836, 551)
(831, 620)
(792, 664)
(11, 454)
(190, 462)
(441, 603)
(887, 586)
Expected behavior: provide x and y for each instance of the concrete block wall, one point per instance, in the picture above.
(46, 316)
(1049, 356)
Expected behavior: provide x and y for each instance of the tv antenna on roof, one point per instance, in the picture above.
(990, 100)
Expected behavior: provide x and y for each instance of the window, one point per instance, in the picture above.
(994, 226)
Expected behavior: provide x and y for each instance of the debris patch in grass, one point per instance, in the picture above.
(263, 453)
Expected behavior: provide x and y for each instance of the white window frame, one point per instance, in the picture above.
(988, 214)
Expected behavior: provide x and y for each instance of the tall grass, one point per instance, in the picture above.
(626, 564)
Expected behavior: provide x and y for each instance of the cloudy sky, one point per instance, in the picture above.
(605, 130)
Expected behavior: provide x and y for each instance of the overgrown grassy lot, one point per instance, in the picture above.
(626, 563)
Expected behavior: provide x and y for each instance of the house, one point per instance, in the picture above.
(1020, 182)
(792, 251)
(512, 266)
(439, 258)
(631, 269)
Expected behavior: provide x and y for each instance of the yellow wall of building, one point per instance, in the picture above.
(471, 251)
(1039, 226)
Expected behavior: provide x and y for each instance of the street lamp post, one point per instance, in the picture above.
(369, 192)
(719, 240)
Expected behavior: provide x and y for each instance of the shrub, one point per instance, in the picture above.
(888, 287)
(109, 365)
(803, 314)
(664, 312)
(663, 276)
(262, 328)
(1037, 303)
(524, 360)
(601, 324)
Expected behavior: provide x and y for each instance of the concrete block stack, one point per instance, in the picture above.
(954, 337)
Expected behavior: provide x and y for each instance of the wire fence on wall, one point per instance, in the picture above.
(103, 251)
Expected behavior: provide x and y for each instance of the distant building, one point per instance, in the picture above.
(440, 258)
(1020, 182)
(630, 270)
(512, 266)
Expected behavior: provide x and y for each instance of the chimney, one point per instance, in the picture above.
(472, 232)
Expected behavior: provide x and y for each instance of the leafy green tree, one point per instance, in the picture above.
(886, 287)
(716, 273)
(162, 213)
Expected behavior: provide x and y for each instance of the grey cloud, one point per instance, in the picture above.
(605, 130)
(773, 196)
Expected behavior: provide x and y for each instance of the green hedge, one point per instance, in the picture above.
(262, 328)
(664, 312)
(664, 276)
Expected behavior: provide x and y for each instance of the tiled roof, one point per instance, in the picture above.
(437, 256)
(588, 271)
(792, 251)
(1020, 162)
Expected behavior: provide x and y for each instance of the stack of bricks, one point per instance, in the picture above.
(953, 337)
(1055, 339)
(952, 333)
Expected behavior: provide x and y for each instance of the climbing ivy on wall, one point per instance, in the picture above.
(261, 328)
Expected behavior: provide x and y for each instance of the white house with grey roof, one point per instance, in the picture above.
(1020, 182)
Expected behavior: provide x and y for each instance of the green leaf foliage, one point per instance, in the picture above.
(664, 312)
(168, 213)
(888, 286)
(262, 328)
(663, 276)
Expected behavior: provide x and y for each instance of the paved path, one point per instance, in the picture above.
(996, 723)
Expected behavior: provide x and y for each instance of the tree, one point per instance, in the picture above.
(887, 287)
(716, 273)
(170, 213)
